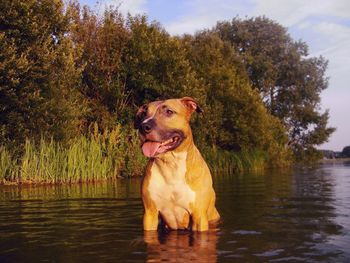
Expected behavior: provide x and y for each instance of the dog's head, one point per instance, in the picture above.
(164, 125)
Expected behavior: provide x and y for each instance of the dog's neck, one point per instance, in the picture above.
(171, 166)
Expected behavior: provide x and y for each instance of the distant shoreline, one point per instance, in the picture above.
(336, 160)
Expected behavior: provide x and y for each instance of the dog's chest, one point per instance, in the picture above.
(168, 188)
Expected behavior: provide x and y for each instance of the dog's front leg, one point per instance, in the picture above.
(150, 220)
(200, 221)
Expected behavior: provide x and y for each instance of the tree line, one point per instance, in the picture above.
(63, 68)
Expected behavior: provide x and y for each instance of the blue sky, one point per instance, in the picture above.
(323, 24)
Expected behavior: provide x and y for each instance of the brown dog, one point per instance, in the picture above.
(177, 184)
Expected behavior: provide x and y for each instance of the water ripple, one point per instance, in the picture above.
(277, 216)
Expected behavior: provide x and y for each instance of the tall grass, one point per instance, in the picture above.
(8, 167)
(100, 156)
(232, 162)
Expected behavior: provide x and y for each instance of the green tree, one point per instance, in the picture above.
(65, 67)
(156, 64)
(102, 40)
(127, 63)
(287, 79)
(38, 75)
(237, 118)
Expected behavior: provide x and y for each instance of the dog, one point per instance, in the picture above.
(177, 187)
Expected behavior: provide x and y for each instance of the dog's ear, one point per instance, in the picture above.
(191, 104)
(141, 113)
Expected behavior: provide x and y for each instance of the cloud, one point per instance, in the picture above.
(125, 6)
(132, 6)
(290, 13)
(336, 32)
(203, 14)
(336, 97)
(333, 41)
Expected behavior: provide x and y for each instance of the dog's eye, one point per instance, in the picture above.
(169, 112)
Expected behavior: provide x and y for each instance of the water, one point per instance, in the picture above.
(300, 215)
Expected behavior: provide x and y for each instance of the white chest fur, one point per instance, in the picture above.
(167, 187)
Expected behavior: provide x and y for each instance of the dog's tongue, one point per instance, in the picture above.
(150, 148)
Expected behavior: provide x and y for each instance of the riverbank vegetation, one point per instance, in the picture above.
(71, 81)
(101, 156)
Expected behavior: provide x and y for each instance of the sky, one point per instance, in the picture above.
(323, 24)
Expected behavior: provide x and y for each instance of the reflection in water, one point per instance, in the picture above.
(120, 189)
(281, 217)
(299, 215)
(181, 246)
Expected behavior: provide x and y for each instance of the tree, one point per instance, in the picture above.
(102, 40)
(346, 151)
(128, 62)
(38, 75)
(237, 118)
(287, 79)
(157, 65)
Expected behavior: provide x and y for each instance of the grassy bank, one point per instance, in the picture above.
(100, 157)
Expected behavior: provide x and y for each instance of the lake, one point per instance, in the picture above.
(296, 215)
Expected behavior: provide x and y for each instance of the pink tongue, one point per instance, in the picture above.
(150, 148)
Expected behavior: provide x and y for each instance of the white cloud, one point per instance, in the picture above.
(125, 6)
(332, 41)
(290, 13)
(287, 12)
(341, 8)
(336, 44)
(132, 6)
(203, 14)
(190, 25)
(336, 97)
(336, 32)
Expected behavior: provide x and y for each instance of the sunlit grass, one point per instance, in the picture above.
(8, 167)
(86, 159)
(232, 162)
(103, 156)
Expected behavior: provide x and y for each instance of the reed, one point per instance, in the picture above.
(8, 167)
(103, 155)
(99, 156)
(233, 162)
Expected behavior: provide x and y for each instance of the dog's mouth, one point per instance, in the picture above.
(153, 148)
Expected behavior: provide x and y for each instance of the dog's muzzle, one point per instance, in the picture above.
(146, 127)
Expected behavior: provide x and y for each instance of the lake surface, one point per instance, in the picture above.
(300, 215)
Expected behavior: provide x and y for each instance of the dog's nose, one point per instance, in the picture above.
(146, 127)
